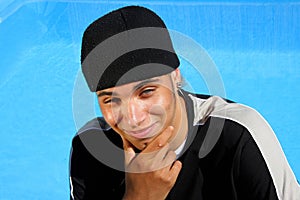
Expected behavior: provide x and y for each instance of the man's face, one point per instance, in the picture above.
(140, 111)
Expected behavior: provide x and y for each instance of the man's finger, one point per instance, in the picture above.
(170, 157)
(164, 158)
(129, 155)
(160, 140)
(175, 169)
(128, 151)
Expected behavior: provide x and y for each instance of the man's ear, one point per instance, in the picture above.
(176, 75)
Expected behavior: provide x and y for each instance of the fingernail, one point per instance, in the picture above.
(171, 128)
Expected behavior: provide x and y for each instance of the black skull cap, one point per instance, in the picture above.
(126, 45)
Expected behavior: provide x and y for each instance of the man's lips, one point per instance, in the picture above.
(142, 133)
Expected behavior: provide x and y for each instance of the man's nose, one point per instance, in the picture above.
(135, 113)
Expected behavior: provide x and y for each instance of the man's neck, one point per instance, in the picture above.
(180, 124)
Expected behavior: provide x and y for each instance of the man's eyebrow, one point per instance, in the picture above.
(105, 93)
(141, 84)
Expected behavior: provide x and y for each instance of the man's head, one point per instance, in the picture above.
(140, 111)
(128, 60)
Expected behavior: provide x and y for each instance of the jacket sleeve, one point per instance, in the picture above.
(252, 176)
(78, 159)
(263, 154)
(89, 177)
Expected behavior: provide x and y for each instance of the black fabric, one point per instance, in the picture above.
(92, 179)
(115, 22)
(103, 47)
(233, 170)
(137, 65)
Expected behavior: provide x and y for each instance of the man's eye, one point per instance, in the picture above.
(112, 100)
(147, 92)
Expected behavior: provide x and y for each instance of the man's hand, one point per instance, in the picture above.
(152, 173)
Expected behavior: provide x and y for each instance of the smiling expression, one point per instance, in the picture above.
(140, 111)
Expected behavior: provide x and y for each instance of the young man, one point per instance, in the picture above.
(156, 141)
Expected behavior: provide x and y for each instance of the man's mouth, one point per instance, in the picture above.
(142, 133)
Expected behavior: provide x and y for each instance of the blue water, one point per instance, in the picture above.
(255, 46)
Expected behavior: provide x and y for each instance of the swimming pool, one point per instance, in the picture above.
(254, 45)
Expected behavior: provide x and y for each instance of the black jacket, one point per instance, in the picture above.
(220, 160)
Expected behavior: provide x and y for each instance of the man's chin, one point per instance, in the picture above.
(146, 141)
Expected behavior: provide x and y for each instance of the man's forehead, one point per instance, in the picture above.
(131, 86)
